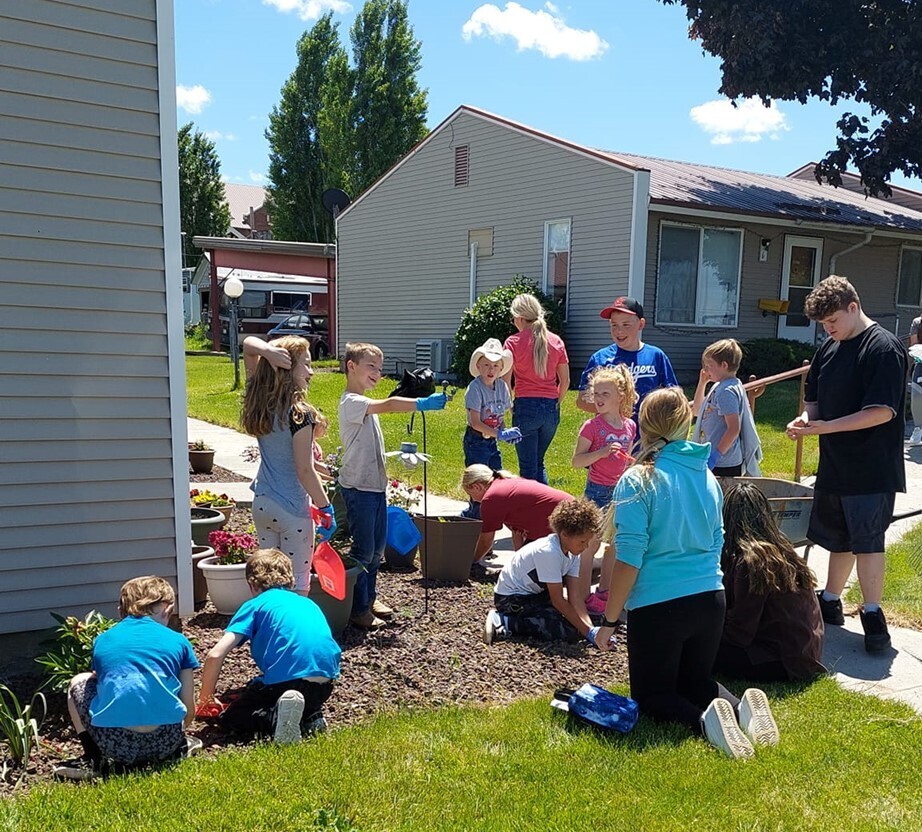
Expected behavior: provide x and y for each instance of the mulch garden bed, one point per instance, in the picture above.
(218, 474)
(420, 660)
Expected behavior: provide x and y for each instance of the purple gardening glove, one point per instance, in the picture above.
(510, 435)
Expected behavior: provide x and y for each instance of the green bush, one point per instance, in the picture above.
(72, 647)
(768, 356)
(489, 318)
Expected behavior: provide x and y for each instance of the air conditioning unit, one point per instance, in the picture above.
(435, 353)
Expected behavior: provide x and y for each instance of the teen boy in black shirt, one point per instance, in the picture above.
(855, 400)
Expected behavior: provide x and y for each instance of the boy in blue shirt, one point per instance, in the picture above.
(132, 708)
(649, 365)
(291, 643)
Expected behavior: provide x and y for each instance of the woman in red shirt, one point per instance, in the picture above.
(542, 375)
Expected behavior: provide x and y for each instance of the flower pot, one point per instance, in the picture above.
(204, 522)
(201, 461)
(227, 584)
(446, 552)
(394, 560)
(199, 587)
(226, 511)
(336, 612)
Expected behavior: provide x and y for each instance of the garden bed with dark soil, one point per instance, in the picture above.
(420, 660)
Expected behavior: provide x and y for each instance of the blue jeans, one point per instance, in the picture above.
(601, 495)
(538, 420)
(480, 449)
(366, 512)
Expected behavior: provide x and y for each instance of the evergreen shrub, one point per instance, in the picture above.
(768, 356)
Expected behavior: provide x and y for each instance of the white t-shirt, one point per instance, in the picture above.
(536, 565)
(362, 466)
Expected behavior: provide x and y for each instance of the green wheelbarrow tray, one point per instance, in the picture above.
(790, 502)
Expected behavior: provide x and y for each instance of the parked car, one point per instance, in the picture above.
(316, 328)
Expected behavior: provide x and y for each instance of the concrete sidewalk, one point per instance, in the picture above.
(896, 674)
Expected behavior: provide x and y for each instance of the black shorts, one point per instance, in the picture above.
(850, 522)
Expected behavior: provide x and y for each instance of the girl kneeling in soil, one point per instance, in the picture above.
(773, 631)
(291, 643)
(535, 590)
(669, 535)
(276, 413)
(132, 708)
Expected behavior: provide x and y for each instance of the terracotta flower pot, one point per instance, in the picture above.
(227, 511)
(199, 587)
(204, 522)
(446, 552)
(227, 584)
(336, 612)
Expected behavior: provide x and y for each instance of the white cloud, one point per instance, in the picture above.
(217, 136)
(309, 9)
(543, 30)
(749, 121)
(257, 177)
(192, 99)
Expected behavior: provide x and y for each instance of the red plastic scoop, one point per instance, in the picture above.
(330, 571)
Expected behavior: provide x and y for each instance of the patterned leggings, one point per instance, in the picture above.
(535, 615)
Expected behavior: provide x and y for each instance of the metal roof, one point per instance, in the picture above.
(683, 184)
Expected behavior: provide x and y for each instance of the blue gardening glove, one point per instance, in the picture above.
(712, 459)
(590, 636)
(434, 402)
(327, 526)
(510, 435)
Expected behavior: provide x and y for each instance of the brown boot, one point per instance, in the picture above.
(381, 609)
(366, 621)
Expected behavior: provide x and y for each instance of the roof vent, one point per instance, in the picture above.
(462, 165)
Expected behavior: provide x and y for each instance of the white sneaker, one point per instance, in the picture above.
(288, 712)
(719, 725)
(916, 439)
(493, 627)
(756, 718)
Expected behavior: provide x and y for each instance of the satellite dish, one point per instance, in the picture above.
(335, 200)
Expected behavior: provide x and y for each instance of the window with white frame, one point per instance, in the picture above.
(557, 260)
(699, 275)
(909, 287)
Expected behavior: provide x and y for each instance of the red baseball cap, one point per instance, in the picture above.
(623, 304)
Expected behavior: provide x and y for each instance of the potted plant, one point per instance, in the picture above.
(204, 522)
(199, 587)
(446, 552)
(225, 571)
(208, 499)
(201, 457)
(336, 612)
(405, 496)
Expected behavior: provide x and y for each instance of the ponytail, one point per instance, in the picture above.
(529, 308)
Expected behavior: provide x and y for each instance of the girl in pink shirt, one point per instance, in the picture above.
(542, 375)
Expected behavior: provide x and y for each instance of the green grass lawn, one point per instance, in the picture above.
(209, 381)
(845, 761)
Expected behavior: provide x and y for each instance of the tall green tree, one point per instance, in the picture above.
(867, 51)
(388, 106)
(202, 204)
(308, 137)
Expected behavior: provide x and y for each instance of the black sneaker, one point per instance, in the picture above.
(831, 610)
(876, 634)
(79, 768)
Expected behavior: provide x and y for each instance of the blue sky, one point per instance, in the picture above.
(613, 74)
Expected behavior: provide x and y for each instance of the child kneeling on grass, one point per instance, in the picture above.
(669, 536)
(132, 708)
(534, 590)
(291, 643)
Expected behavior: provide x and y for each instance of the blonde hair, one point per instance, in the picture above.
(269, 568)
(576, 517)
(143, 596)
(359, 350)
(271, 393)
(726, 351)
(621, 377)
(529, 308)
(479, 473)
(665, 416)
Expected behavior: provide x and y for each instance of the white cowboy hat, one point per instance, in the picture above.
(492, 350)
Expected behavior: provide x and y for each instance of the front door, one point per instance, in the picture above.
(800, 272)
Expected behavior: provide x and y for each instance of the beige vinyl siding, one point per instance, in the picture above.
(873, 270)
(86, 472)
(404, 263)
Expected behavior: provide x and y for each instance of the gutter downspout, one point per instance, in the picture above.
(473, 293)
(835, 257)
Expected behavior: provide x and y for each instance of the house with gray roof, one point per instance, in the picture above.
(93, 458)
(710, 252)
